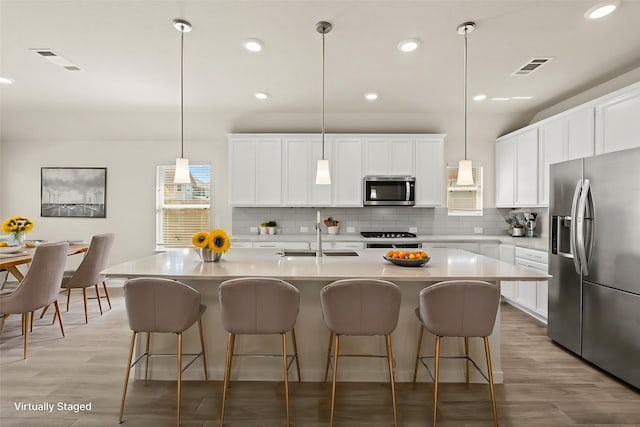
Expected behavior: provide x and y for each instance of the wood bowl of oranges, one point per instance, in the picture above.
(407, 258)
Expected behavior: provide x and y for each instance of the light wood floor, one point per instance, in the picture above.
(544, 385)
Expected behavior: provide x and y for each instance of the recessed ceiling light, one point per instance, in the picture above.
(500, 98)
(5, 81)
(409, 45)
(601, 10)
(480, 97)
(371, 96)
(521, 97)
(261, 95)
(252, 45)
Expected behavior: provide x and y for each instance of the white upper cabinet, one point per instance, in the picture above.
(300, 155)
(580, 134)
(255, 170)
(388, 155)
(551, 150)
(430, 171)
(346, 171)
(505, 172)
(618, 122)
(527, 169)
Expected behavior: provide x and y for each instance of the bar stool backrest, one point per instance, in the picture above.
(161, 305)
(460, 308)
(258, 305)
(361, 306)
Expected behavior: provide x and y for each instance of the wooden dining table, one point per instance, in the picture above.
(10, 262)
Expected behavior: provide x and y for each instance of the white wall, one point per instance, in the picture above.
(131, 144)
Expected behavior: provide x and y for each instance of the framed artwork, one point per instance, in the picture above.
(73, 192)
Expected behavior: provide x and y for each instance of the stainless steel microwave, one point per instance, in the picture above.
(389, 190)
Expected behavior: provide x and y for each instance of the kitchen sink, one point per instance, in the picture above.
(306, 252)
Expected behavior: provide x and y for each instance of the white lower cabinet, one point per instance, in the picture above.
(532, 296)
(508, 288)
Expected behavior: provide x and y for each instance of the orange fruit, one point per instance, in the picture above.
(3, 244)
(412, 256)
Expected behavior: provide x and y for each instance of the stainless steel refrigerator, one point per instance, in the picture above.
(594, 258)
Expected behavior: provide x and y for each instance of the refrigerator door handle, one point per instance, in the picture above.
(572, 230)
(580, 223)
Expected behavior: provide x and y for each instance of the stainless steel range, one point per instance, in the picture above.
(390, 235)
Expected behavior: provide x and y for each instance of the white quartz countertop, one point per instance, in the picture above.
(445, 264)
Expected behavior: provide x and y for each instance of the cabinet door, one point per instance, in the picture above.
(242, 172)
(542, 299)
(429, 167)
(617, 123)
(268, 165)
(347, 160)
(551, 145)
(297, 173)
(580, 134)
(527, 294)
(527, 169)
(505, 172)
(376, 156)
(400, 156)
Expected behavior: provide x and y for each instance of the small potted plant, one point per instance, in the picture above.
(263, 228)
(333, 225)
(271, 226)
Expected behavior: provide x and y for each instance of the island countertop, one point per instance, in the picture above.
(445, 264)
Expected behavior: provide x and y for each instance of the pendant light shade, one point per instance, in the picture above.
(182, 175)
(465, 167)
(323, 176)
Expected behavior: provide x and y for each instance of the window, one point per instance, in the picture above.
(182, 209)
(464, 200)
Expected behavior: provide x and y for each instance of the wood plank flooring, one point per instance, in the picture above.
(544, 385)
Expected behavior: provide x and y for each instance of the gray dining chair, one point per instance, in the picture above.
(88, 272)
(156, 305)
(360, 307)
(39, 288)
(458, 308)
(259, 306)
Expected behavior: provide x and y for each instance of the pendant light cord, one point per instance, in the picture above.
(182, 93)
(322, 96)
(465, 93)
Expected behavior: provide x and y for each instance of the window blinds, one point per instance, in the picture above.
(463, 199)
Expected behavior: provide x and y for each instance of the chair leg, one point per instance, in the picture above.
(415, 368)
(106, 292)
(146, 359)
(179, 376)
(295, 352)
(98, 298)
(126, 376)
(326, 371)
(335, 377)
(227, 370)
(25, 331)
(286, 375)
(68, 298)
(59, 317)
(31, 321)
(466, 355)
(490, 375)
(4, 317)
(86, 309)
(392, 380)
(435, 380)
(44, 310)
(204, 354)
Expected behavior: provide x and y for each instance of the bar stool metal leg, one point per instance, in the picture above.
(286, 375)
(227, 373)
(415, 368)
(490, 372)
(335, 376)
(126, 376)
(146, 360)
(466, 355)
(326, 371)
(435, 380)
(392, 380)
(295, 352)
(204, 355)
(179, 376)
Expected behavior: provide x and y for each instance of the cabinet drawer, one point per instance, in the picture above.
(532, 255)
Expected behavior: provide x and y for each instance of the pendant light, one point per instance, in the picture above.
(465, 169)
(322, 171)
(182, 175)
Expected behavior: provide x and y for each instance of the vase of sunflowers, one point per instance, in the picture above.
(17, 226)
(211, 246)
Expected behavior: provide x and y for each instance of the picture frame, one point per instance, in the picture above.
(73, 192)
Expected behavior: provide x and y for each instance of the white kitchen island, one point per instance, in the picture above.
(309, 275)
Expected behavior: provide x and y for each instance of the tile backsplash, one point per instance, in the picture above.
(426, 220)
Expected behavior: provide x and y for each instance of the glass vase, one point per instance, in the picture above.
(207, 255)
(19, 238)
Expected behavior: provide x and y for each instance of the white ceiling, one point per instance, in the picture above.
(129, 54)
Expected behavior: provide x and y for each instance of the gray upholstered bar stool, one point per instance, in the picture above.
(360, 307)
(167, 306)
(259, 306)
(458, 309)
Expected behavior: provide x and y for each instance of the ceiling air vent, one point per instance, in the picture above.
(531, 66)
(56, 59)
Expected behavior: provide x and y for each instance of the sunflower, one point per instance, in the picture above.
(218, 241)
(199, 239)
(17, 224)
